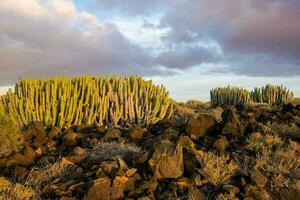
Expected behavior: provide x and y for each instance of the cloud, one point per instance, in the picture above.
(246, 30)
(43, 38)
(262, 35)
(131, 7)
(187, 57)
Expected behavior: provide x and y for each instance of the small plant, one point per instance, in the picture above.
(113, 151)
(216, 169)
(229, 95)
(278, 166)
(15, 191)
(11, 139)
(258, 142)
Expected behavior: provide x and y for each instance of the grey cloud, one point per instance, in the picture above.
(243, 29)
(47, 45)
(185, 57)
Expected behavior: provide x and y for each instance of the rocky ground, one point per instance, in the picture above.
(249, 152)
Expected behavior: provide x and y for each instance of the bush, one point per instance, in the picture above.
(113, 151)
(216, 169)
(278, 166)
(65, 102)
(15, 191)
(258, 142)
(11, 139)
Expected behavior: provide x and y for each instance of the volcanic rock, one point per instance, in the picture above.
(167, 160)
(201, 126)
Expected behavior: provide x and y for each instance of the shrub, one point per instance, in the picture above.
(39, 177)
(15, 191)
(223, 96)
(11, 139)
(65, 102)
(113, 151)
(216, 169)
(278, 166)
(273, 95)
(258, 142)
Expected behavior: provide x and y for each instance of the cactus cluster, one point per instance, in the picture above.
(66, 102)
(229, 96)
(272, 95)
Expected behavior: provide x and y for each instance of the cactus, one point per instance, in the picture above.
(273, 95)
(66, 102)
(229, 95)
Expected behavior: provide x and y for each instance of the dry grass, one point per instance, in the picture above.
(38, 178)
(113, 151)
(216, 169)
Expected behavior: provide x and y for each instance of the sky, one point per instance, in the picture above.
(190, 46)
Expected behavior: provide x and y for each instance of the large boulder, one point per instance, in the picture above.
(167, 160)
(201, 126)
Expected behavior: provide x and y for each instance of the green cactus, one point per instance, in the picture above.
(229, 95)
(66, 102)
(272, 95)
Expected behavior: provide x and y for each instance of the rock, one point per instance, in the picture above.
(195, 194)
(230, 129)
(201, 126)
(118, 186)
(167, 160)
(40, 139)
(109, 167)
(26, 159)
(53, 134)
(170, 133)
(231, 189)
(112, 134)
(101, 129)
(20, 172)
(100, 190)
(256, 193)
(186, 142)
(190, 160)
(136, 132)
(78, 155)
(230, 116)
(258, 178)
(184, 183)
(37, 133)
(221, 144)
(69, 139)
(130, 172)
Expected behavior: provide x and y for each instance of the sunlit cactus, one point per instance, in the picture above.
(272, 95)
(229, 95)
(66, 102)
